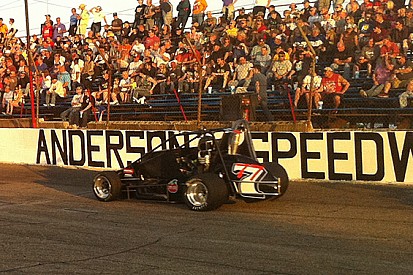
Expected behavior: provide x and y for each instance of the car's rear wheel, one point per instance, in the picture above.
(279, 172)
(205, 192)
(107, 186)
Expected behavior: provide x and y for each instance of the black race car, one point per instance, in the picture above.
(205, 169)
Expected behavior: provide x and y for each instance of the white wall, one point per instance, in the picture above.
(371, 156)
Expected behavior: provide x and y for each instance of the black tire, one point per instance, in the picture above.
(279, 172)
(205, 192)
(107, 186)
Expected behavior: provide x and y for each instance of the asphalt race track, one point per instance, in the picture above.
(51, 224)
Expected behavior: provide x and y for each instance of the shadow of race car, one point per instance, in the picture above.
(204, 169)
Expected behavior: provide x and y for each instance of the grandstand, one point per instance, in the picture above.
(354, 111)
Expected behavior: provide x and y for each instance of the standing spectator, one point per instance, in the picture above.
(184, 10)
(166, 9)
(198, 12)
(84, 19)
(149, 13)
(47, 31)
(259, 81)
(228, 9)
(117, 26)
(3, 28)
(260, 6)
(73, 22)
(139, 14)
(58, 29)
(241, 15)
(12, 29)
(334, 87)
(48, 19)
(98, 17)
(323, 4)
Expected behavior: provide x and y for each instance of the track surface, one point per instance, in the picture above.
(51, 224)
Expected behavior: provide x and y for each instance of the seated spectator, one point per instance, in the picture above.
(280, 71)
(125, 87)
(257, 49)
(144, 87)
(334, 86)
(241, 73)
(64, 77)
(406, 95)
(12, 99)
(219, 76)
(86, 109)
(343, 60)
(307, 90)
(402, 74)
(389, 48)
(381, 75)
(56, 89)
(72, 113)
(300, 67)
(263, 59)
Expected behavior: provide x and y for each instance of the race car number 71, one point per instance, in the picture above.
(249, 174)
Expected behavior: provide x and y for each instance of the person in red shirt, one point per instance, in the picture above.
(151, 39)
(47, 30)
(389, 48)
(334, 87)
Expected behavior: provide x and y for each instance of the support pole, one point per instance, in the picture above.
(312, 71)
(200, 72)
(35, 116)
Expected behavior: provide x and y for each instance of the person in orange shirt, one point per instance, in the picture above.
(198, 12)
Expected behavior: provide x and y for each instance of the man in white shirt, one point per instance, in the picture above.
(260, 6)
(98, 17)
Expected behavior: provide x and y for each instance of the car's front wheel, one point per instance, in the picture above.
(205, 192)
(107, 186)
(278, 171)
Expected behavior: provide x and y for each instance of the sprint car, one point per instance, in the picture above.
(204, 169)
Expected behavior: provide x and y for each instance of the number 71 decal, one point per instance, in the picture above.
(249, 175)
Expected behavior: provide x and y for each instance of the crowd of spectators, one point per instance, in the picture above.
(152, 55)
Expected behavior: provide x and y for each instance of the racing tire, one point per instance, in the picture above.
(205, 192)
(107, 186)
(278, 171)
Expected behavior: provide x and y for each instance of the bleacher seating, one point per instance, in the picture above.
(356, 111)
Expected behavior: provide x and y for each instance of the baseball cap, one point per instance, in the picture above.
(328, 69)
